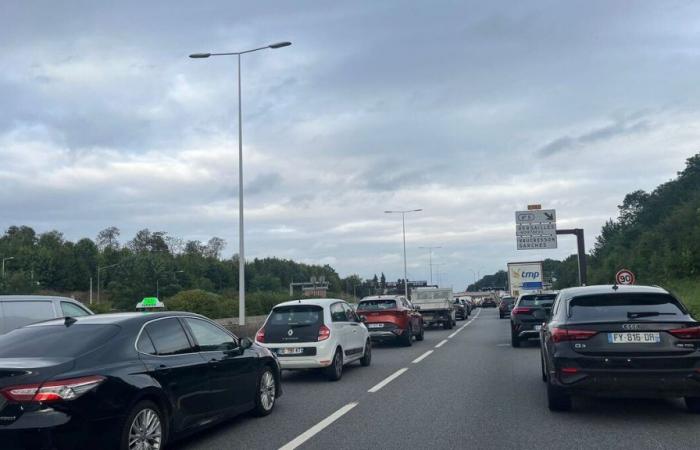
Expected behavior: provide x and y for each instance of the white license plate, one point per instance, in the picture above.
(290, 351)
(538, 327)
(634, 338)
(375, 325)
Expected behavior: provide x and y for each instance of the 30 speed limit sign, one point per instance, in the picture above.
(625, 276)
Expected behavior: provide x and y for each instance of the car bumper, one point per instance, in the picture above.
(323, 357)
(385, 335)
(647, 384)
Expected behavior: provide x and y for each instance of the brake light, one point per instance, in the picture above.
(324, 333)
(561, 335)
(52, 391)
(686, 333)
(260, 335)
(521, 310)
(569, 370)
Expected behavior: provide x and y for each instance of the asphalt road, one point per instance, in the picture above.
(473, 391)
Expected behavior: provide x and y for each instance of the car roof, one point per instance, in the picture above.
(118, 318)
(19, 298)
(612, 289)
(312, 301)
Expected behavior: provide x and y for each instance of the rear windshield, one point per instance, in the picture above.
(55, 340)
(537, 300)
(375, 305)
(296, 315)
(624, 307)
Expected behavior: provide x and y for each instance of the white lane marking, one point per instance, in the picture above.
(422, 357)
(455, 333)
(311, 432)
(443, 342)
(388, 380)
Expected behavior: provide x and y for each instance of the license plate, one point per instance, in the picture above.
(538, 327)
(634, 338)
(290, 351)
(375, 325)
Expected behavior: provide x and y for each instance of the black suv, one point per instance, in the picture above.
(528, 314)
(623, 341)
(462, 309)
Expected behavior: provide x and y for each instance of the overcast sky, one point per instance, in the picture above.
(469, 110)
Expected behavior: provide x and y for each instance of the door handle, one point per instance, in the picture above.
(164, 369)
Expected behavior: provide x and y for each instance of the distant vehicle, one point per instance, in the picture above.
(629, 341)
(322, 334)
(505, 306)
(127, 381)
(527, 316)
(17, 311)
(461, 309)
(435, 305)
(488, 303)
(391, 317)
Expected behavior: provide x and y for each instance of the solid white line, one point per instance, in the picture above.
(311, 432)
(441, 343)
(422, 357)
(388, 380)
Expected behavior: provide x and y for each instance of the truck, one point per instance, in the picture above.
(435, 305)
(525, 277)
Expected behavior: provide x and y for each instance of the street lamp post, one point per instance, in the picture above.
(430, 260)
(241, 254)
(403, 223)
(3, 264)
(100, 269)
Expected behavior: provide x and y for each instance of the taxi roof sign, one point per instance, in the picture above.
(150, 302)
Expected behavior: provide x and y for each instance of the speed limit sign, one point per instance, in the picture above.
(625, 276)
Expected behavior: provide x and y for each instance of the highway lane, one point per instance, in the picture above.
(473, 390)
(309, 398)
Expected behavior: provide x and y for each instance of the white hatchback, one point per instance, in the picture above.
(316, 334)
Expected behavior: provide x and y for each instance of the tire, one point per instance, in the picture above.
(514, 340)
(407, 337)
(693, 404)
(421, 336)
(367, 357)
(267, 393)
(447, 325)
(334, 372)
(143, 415)
(557, 399)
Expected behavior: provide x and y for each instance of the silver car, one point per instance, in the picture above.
(17, 311)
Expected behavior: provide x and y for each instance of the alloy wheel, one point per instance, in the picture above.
(267, 390)
(145, 432)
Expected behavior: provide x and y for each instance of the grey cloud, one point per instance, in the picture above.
(617, 129)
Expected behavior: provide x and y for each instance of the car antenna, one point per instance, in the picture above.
(69, 321)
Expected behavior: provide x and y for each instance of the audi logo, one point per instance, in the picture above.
(631, 326)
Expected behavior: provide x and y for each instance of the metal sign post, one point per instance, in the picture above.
(582, 268)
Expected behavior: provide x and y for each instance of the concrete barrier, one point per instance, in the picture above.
(253, 324)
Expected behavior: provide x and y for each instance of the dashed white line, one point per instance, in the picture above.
(422, 357)
(388, 380)
(311, 432)
(443, 342)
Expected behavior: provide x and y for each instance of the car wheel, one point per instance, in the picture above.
(367, 357)
(421, 336)
(693, 404)
(557, 399)
(407, 338)
(514, 340)
(267, 393)
(334, 372)
(144, 428)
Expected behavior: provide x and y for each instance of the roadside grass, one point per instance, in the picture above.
(689, 292)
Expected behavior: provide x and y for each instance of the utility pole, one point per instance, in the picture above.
(430, 260)
(403, 222)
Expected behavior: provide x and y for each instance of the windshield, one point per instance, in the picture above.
(625, 307)
(375, 305)
(296, 315)
(535, 300)
(55, 340)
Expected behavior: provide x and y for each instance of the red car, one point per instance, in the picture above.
(391, 317)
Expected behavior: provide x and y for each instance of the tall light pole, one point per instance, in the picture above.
(3, 264)
(403, 223)
(430, 260)
(241, 253)
(100, 269)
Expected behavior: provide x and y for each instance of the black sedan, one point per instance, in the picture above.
(622, 341)
(127, 381)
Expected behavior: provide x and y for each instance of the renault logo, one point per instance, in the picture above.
(290, 332)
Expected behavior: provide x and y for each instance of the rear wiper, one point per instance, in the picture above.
(639, 314)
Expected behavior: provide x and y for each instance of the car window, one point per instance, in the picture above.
(56, 341)
(209, 337)
(168, 337)
(624, 307)
(296, 315)
(72, 310)
(350, 314)
(19, 314)
(145, 345)
(544, 300)
(374, 305)
(338, 313)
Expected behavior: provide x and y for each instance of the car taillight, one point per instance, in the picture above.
(52, 391)
(324, 333)
(686, 333)
(260, 335)
(521, 310)
(561, 335)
